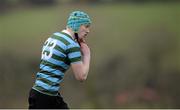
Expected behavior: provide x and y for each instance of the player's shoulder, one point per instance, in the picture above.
(62, 38)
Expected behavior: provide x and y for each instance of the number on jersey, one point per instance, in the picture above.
(47, 51)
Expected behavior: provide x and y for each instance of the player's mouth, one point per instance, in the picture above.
(85, 35)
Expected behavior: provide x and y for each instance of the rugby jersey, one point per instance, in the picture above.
(58, 52)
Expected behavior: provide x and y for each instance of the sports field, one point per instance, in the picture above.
(129, 44)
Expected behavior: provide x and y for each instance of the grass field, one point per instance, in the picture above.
(120, 29)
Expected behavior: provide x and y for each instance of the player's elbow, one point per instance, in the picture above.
(81, 77)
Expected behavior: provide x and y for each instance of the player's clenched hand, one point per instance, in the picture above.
(85, 49)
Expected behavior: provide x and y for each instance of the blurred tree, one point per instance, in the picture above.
(42, 2)
(2, 4)
(9, 2)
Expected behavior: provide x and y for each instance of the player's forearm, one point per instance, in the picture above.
(86, 63)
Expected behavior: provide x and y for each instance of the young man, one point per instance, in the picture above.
(60, 51)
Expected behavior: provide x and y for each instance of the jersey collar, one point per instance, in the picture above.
(68, 34)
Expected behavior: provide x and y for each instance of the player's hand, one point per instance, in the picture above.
(85, 49)
(81, 40)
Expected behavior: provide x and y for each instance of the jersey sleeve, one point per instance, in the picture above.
(74, 54)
